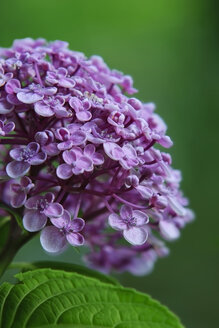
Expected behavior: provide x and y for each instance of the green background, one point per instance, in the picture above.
(170, 47)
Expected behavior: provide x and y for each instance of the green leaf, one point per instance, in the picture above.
(46, 298)
(25, 266)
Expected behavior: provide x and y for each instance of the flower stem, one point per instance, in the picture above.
(16, 239)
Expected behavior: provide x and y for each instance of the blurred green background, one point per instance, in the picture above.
(170, 47)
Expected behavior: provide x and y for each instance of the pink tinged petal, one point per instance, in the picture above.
(140, 218)
(29, 97)
(145, 192)
(98, 159)
(78, 152)
(60, 111)
(89, 150)
(69, 157)
(67, 83)
(12, 99)
(50, 91)
(34, 221)
(17, 169)
(63, 221)
(168, 230)
(116, 223)
(76, 104)
(12, 86)
(51, 149)
(77, 170)
(5, 107)
(43, 109)
(114, 151)
(54, 210)
(129, 151)
(135, 236)
(78, 138)
(64, 171)
(75, 239)
(65, 145)
(19, 199)
(52, 239)
(16, 153)
(85, 163)
(62, 134)
(165, 142)
(176, 206)
(62, 72)
(77, 224)
(126, 212)
(38, 159)
(83, 116)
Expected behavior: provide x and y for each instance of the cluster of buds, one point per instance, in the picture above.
(79, 158)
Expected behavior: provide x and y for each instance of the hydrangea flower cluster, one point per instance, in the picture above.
(79, 158)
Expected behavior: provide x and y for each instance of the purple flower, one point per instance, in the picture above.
(131, 222)
(81, 109)
(126, 155)
(60, 78)
(34, 93)
(70, 136)
(5, 106)
(50, 106)
(54, 238)
(47, 143)
(76, 163)
(116, 119)
(24, 157)
(4, 77)
(39, 208)
(93, 150)
(21, 191)
(6, 128)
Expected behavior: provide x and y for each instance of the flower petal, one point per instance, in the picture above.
(16, 153)
(116, 223)
(62, 221)
(34, 220)
(31, 203)
(18, 199)
(69, 156)
(98, 159)
(54, 210)
(38, 159)
(113, 150)
(78, 138)
(126, 212)
(17, 169)
(29, 97)
(77, 224)
(75, 239)
(140, 218)
(52, 239)
(43, 109)
(168, 230)
(84, 115)
(135, 235)
(64, 171)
